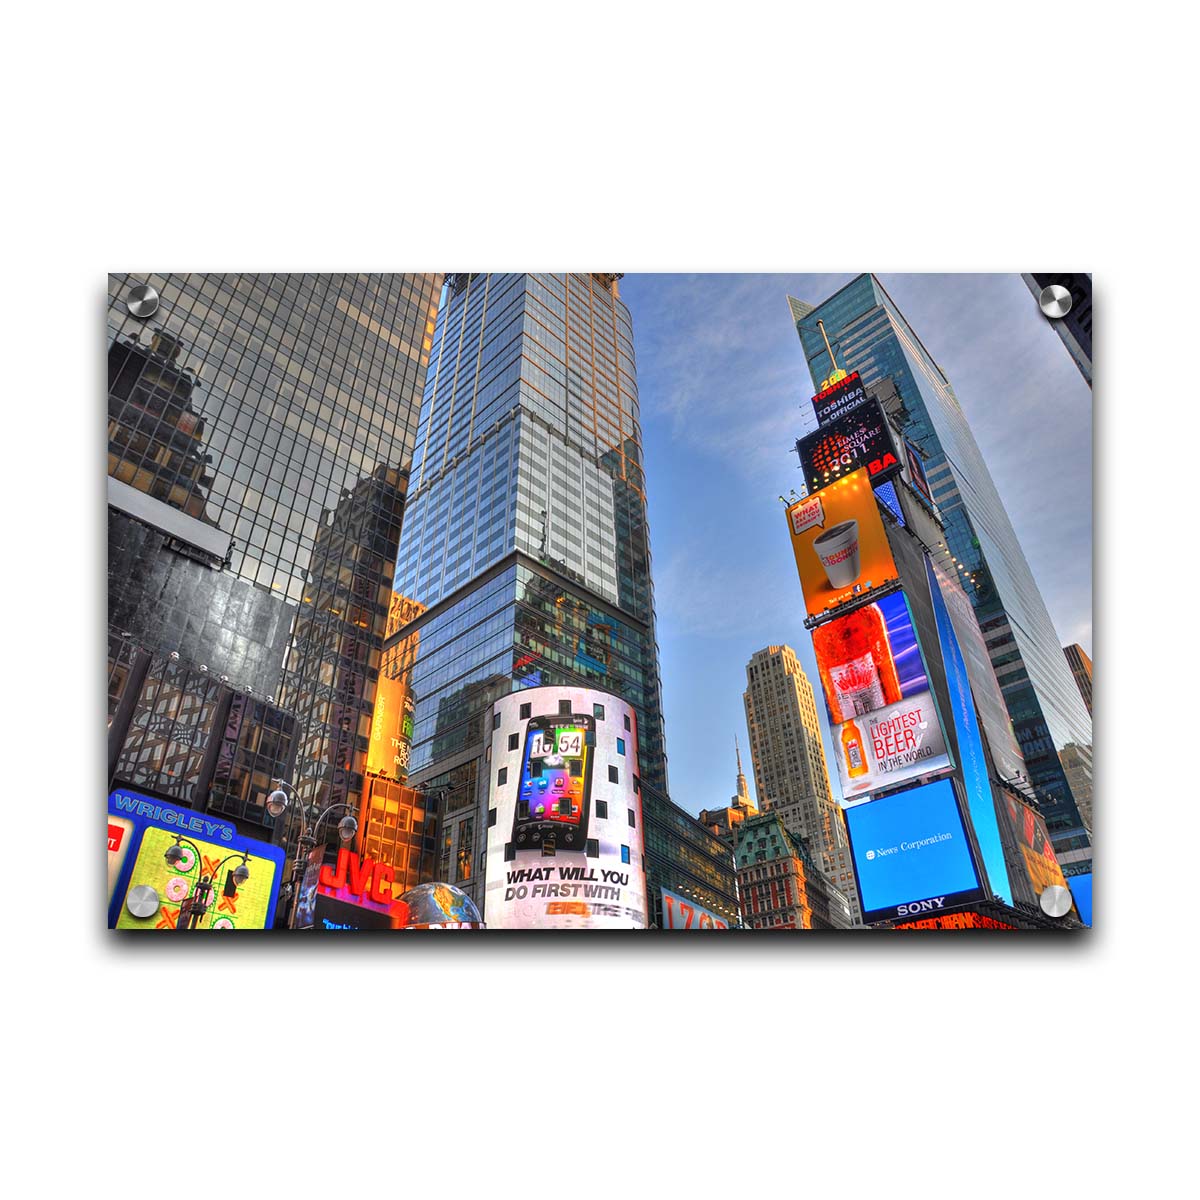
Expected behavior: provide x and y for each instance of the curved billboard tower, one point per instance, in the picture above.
(564, 812)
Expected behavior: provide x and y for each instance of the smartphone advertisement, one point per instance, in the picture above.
(564, 818)
(883, 720)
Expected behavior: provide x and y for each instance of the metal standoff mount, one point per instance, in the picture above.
(142, 301)
(1055, 301)
(1055, 901)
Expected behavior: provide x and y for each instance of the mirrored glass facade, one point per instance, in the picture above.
(525, 542)
(1048, 718)
(525, 532)
(260, 431)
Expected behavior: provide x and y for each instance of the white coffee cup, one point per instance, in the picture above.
(837, 548)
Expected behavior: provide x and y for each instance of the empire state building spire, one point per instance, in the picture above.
(743, 792)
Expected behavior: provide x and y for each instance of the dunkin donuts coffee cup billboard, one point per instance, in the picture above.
(840, 544)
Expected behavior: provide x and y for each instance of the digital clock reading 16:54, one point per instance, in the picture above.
(567, 743)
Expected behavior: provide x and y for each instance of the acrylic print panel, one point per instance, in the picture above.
(384, 617)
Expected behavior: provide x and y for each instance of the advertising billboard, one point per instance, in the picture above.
(391, 729)
(958, 920)
(980, 801)
(840, 544)
(564, 848)
(196, 888)
(859, 438)
(911, 854)
(882, 715)
(839, 398)
(681, 913)
(1081, 891)
(915, 471)
(356, 892)
(1033, 839)
(120, 834)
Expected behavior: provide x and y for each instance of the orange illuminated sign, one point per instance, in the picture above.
(963, 920)
(840, 544)
(1041, 865)
(387, 752)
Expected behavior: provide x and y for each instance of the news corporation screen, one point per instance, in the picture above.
(911, 853)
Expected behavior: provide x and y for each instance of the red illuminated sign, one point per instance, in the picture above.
(363, 878)
(681, 913)
(963, 920)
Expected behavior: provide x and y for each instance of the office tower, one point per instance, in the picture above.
(685, 857)
(1075, 329)
(779, 883)
(525, 535)
(1081, 669)
(870, 335)
(260, 428)
(788, 759)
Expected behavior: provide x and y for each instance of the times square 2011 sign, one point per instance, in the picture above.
(859, 438)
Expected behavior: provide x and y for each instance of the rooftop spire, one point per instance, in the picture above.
(743, 792)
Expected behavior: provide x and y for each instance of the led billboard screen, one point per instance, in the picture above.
(859, 438)
(1033, 839)
(882, 716)
(956, 920)
(915, 472)
(196, 889)
(564, 847)
(839, 398)
(840, 543)
(911, 854)
(681, 913)
(980, 801)
(391, 729)
(1081, 890)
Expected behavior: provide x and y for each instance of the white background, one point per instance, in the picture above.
(627, 136)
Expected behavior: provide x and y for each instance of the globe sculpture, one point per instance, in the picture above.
(440, 906)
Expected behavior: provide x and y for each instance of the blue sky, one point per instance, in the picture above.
(724, 394)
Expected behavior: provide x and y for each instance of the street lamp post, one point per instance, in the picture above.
(194, 905)
(279, 800)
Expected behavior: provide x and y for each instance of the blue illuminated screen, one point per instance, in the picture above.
(1081, 890)
(910, 846)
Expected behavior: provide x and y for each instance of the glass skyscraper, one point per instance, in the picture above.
(870, 335)
(525, 548)
(260, 430)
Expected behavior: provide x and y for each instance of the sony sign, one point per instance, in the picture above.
(909, 910)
